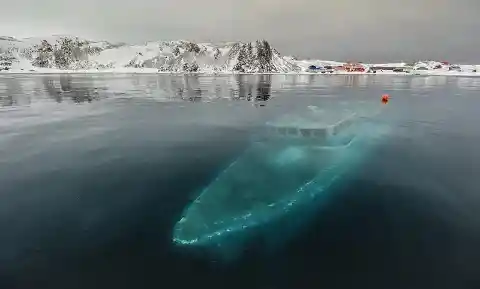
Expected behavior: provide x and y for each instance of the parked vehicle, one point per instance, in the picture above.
(455, 68)
(314, 68)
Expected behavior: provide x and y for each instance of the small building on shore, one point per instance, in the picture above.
(315, 68)
(352, 67)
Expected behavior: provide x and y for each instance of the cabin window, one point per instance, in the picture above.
(292, 131)
(305, 132)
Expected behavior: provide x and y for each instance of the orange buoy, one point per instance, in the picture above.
(385, 98)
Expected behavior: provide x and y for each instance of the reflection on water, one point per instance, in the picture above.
(13, 94)
(81, 89)
(469, 83)
(193, 88)
(63, 88)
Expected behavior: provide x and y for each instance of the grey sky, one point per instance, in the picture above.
(369, 30)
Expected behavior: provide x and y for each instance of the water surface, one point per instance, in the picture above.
(96, 170)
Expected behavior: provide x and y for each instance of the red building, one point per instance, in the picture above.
(353, 67)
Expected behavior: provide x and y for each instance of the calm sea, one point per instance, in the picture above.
(95, 171)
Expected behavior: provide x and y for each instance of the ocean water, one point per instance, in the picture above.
(95, 171)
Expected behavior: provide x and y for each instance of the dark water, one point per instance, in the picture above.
(95, 171)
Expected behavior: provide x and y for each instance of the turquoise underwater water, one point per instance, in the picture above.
(272, 189)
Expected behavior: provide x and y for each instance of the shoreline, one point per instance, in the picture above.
(153, 71)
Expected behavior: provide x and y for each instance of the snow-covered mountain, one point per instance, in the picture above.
(71, 53)
(64, 53)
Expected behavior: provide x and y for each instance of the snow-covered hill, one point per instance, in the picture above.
(71, 53)
(64, 53)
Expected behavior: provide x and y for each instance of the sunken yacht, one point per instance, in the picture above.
(278, 179)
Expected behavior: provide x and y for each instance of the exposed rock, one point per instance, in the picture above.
(71, 53)
(193, 67)
(192, 47)
(260, 58)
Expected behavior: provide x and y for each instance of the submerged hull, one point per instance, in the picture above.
(270, 183)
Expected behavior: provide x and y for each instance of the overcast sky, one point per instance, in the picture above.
(368, 30)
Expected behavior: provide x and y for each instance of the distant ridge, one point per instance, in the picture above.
(72, 53)
(66, 53)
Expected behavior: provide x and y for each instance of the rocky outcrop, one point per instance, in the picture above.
(66, 53)
(260, 57)
(257, 57)
(6, 60)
